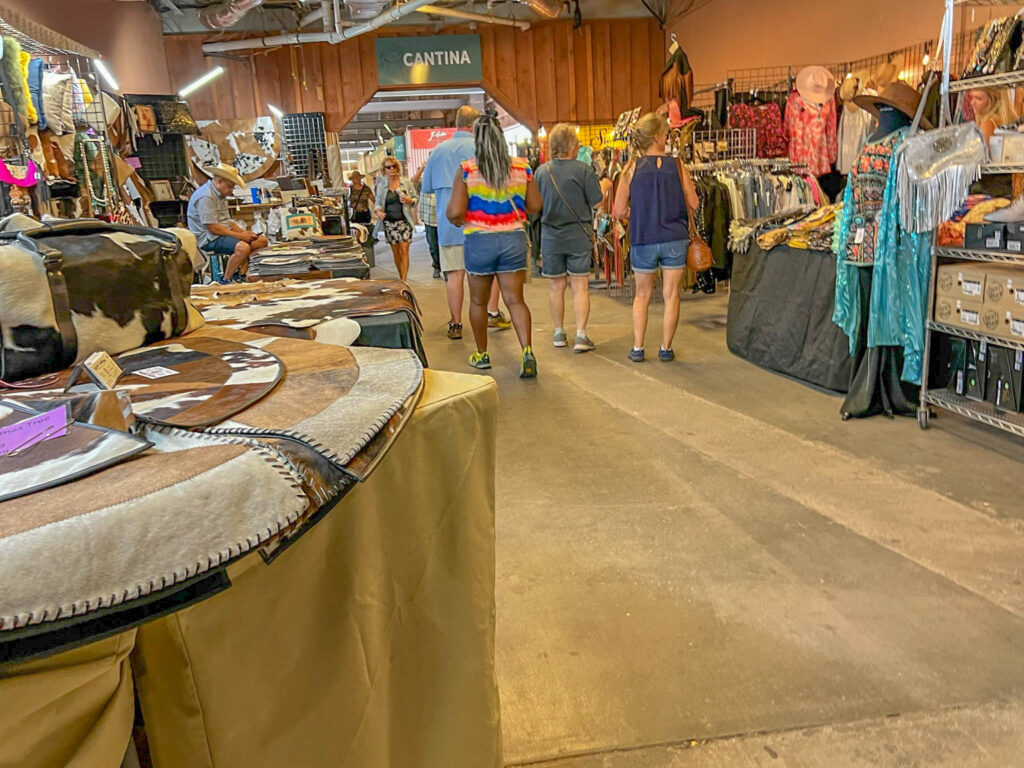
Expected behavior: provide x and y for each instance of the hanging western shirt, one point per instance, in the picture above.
(812, 133)
(439, 176)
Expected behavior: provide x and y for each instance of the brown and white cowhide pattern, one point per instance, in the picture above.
(118, 290)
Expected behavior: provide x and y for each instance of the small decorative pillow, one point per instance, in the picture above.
(175, 117)
(58, 102)
(301, 225)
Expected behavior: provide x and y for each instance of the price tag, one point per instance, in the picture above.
(1018, 296)
(970, 317)
(971, 288)
(859, 236)
(156, 372)
(35, 429)
(1017, 327)
(1014, 246)
(102, 369)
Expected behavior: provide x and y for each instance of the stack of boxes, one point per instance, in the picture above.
(987, 299)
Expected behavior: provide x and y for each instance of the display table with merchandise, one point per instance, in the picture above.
(368, 640)
(780, 315)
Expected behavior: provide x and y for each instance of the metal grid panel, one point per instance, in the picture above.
(165, 161)
(964, 333)
(986, 413)
(996, 257)
(729, 144)
(306, 144)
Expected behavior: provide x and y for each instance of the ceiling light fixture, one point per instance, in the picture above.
(197, 84)
(105, 73)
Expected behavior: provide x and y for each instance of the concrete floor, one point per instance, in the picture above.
(699, 564)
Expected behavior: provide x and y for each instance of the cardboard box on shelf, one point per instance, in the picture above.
(962, 281)
(968, 315)
(945, 307)
(1011, 325)
(1004, 288)
(985, 237)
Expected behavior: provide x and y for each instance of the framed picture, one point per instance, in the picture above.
(162, 190)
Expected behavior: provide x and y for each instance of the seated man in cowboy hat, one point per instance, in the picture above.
(210, 221)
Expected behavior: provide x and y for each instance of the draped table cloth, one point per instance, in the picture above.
(369, 640)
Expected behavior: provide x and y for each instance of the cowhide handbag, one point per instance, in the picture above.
(84, 286)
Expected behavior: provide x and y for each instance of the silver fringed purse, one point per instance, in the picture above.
(937, 168)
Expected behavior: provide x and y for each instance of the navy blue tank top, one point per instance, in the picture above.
(657, 204)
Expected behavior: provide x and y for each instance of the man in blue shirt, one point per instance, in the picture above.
(438, 178)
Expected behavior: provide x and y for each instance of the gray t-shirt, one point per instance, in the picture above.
(561, 232)
(206, 206)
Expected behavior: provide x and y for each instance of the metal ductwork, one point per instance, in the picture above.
(226, 14)
(387, 17)
(365, 9)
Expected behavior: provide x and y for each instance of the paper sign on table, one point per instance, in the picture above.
(35, 429)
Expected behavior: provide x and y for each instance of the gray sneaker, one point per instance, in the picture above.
(582, 344)
(561, 340)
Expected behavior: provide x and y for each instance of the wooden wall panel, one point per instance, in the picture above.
(550, 73)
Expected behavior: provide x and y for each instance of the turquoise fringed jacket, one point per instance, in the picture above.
(899, 288)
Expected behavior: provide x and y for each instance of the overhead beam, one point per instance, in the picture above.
(379, 107)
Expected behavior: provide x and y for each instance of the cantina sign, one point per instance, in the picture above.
(428, 60)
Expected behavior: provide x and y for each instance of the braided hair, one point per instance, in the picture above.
(492, 158)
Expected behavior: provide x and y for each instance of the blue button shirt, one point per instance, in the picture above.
(438, 177)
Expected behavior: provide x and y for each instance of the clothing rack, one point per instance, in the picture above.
(770, 163)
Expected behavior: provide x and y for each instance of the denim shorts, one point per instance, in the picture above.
(558, 264)
(492, 253)
(647, 258)
(224, 244)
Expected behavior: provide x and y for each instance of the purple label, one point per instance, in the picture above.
(134, 162)
(35, 429)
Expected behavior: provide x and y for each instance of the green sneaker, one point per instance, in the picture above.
(528, 364)
(480, 360)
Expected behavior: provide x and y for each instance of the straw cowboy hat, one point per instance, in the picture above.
(853, 85)
(815, 84)
(225, 171)
(899, 96)
(885, 75)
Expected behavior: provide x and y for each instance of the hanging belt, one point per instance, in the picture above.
(53, 263)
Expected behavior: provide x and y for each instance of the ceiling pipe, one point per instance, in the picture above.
(455, 13)
(226, 14)
(298, 38)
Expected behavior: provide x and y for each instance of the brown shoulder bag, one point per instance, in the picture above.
(698, 256)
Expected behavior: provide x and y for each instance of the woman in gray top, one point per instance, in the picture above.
(570, 190)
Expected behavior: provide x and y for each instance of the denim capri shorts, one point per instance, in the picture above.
(492, 253)
(647, 258)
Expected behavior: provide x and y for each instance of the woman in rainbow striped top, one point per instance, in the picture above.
(491, 196)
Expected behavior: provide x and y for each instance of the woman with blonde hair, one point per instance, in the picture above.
(658, 196)
(992, 108)
(570, 190)
(395, 198)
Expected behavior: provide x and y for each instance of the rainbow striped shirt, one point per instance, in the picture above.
(496, 210)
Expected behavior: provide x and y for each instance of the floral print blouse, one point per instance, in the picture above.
(767, 121)
(812, 133)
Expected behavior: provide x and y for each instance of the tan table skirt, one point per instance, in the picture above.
(369, 642)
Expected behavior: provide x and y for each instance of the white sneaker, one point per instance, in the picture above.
(1012, 213)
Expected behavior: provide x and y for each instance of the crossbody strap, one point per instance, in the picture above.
(53, 263)
(588, 232)
(690, 215)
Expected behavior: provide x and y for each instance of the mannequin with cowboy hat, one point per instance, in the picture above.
(210, 221)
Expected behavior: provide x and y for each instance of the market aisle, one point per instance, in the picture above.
(703, 551)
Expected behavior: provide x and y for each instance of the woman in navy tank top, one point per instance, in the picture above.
(657, 195)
